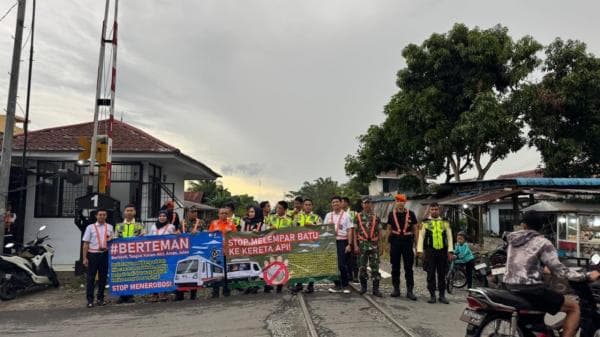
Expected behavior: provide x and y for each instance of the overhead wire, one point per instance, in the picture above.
(8, 11)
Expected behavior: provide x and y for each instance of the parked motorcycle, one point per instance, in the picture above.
(497, 262)
(30, 268)
(495, 312)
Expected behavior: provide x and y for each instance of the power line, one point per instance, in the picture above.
(26, 39)
(8, 11)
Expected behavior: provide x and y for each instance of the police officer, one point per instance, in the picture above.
(307, 218)
(368, 229)
(95, 256)
(435, 240)
(402, 226)
(295, 212)
(266, 209)
(235, 219)
(129, 228)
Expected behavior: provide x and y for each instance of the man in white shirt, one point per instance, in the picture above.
(344, 229)
(95, 256)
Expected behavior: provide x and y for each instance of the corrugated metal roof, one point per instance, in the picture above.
(567, 182)
(563, 207)
(479, 198)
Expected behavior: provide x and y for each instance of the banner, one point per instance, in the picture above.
(152, 264)
(290, 255)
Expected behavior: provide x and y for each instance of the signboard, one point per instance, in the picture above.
(290, 255)
(152, 264)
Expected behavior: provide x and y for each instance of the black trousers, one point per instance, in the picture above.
(436, 262)
(97, 264)
(469, 267)
(402, 248)
(342, 263)
(352, 265)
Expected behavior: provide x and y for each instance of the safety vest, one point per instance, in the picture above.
(308, 219)
(435, 233)
(370, 233)
(399, 230)
(279, 222)
(128, 230)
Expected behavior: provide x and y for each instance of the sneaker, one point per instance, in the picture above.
(346, 290)
(309, 290)
(90, 305)
(101, 303)
(336, 289)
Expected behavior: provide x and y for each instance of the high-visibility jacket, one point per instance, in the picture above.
(304, 219)
(435, 234)
(129, 229)
(279, 222)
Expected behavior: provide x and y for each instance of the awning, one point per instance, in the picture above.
(475, 199)
(200, 207)
(563, 207)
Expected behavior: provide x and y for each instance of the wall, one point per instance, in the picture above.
(493, 216)
(376, 187)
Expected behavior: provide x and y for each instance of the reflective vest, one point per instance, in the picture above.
(370, 232)
(435, 233)
(128, 230)
(279, 222)
(308, 219)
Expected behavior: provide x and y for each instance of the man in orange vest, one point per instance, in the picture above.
(368, 230)
(224, 225)
(402, 224)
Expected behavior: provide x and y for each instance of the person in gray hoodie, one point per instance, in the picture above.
(529, 252)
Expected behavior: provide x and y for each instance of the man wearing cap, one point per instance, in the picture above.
(402, 226)
(368, 230)
(193, 224)
(435, 240)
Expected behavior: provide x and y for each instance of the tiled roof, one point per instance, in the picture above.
(126, 138)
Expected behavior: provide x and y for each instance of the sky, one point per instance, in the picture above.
(268, 93)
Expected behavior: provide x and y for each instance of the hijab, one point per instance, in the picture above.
(162, 224)
(251, 223)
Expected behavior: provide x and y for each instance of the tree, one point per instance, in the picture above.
(214, 194)
(322, 189)
(454, 108)
(563, 111)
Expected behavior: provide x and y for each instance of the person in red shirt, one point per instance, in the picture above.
(224, 225)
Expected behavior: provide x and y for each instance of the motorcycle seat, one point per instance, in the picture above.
(507, 298)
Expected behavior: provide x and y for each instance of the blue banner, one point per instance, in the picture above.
(153, 264)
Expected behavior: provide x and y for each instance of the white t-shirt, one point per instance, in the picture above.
(97, 235)
(164, 230)
(342, 223)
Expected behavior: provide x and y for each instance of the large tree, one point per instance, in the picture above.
(214, 194)
(563, 111)
(454, 108)
(322, 189)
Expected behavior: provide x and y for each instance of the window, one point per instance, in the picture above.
(390, 185)
(506, 218)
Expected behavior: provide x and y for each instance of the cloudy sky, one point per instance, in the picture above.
(268, 93)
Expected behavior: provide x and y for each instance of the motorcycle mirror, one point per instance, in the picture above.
(42, 228)
(595, 260)
(9, 245)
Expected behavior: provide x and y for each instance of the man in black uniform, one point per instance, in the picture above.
(402, 226)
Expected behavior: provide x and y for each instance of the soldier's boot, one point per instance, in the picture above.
(443, 298)
(410, 295)
(432, 298)
(363, 286)
(396, 292)
(376, 291)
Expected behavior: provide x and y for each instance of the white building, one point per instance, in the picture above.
(146, 172)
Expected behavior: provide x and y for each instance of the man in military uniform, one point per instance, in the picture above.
(435, 240)
(368, 229)
(129, 228)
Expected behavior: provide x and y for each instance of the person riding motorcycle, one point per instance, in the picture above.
(529, 252)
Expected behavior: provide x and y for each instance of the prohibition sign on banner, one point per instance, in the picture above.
(276, 273)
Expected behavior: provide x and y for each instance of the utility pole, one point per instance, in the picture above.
(7, 143)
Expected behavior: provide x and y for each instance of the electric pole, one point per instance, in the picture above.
(7, 143)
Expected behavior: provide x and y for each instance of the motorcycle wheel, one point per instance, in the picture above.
(54, 279)
(497, 327)
(8, 291)
(459, 279)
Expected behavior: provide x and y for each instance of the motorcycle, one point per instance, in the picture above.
(457, 274)
(495, 312)
(30, 268)
(497, 261)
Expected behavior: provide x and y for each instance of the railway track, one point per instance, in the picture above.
(314, 331)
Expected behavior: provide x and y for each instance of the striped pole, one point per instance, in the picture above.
(111, 119)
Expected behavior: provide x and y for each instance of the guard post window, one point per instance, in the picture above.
(54, 196)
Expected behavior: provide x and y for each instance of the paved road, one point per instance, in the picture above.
(239, 315)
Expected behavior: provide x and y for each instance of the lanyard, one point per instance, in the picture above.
(165, 228)
(406, 221)
(101, 242)
(337, 225)
(373, 225)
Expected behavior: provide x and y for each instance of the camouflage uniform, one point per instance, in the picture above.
(368, 230)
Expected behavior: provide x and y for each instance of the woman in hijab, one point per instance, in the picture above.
(162, 226)
(253, 222)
